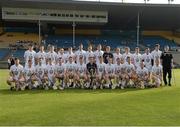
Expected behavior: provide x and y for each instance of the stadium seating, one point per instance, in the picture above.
(21, 29)
(18, 53)
(150, 41)
(13, 37)
(169, 35)
(1, 30)
(66, 41)
(78, 32)
(3, 53)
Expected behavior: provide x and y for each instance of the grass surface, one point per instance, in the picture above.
(160, 106)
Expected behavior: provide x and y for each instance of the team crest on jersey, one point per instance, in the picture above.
(51, 71)
(148, 60)
(158, 71)
(40, 72)
(29, 73)
(137, 59)
(128, 70)
(81, 70)
(70, 68)
(61, 70)
(16, 72)
(101, 69)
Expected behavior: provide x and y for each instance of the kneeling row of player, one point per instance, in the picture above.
(60, 76)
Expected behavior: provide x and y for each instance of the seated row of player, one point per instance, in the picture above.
(62, 75)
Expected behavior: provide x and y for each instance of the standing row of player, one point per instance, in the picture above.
(87, 69)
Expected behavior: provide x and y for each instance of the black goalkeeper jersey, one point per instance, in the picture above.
(91, 68)
(107, 55)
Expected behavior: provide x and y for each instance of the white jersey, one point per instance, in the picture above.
(137, 58)
(28, 72)
(115, 56)
(68, 55)
(60, 69)
(98, 53)
(29, 55)
(81, 68)
(41, 55)
(16, 71)
(141, 72)
(40, 70)
(125, 55)
(101, 68)
(52, 55)
(129, 68)
(156, 54)
(70, 67)
(119, 68)
(147, 61)
(51, 70)
(80, 53)
(89, 54)
(62, 56)
(110, 68)
(157, 69)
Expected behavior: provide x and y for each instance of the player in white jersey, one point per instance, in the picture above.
(157, 73)
(143, 77)
(16, 76)
(156, 54)
(29, 54)
(40, 74)
(60, 73)
(51, 55)
(79, 53)
(70, 73)
(51, 71)
(29, 75)
(98, 53)
(119, 72)
(137, 58)
(101, 71)
(127, 54)
(89, 54)
(110, 74)
(70, 53)
(81, 72)
(41, 54)
(147, 58)
(117, 55)
(61, 55)
(130, 73)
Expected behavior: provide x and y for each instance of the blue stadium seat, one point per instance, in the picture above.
(150, 41)
(66, 41)
(19, 53)
(3, 53)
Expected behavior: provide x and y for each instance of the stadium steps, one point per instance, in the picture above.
(1, 30)
(12, 37)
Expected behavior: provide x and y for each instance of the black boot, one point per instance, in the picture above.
(169, 82)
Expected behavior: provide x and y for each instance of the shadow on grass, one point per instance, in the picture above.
(72, 91)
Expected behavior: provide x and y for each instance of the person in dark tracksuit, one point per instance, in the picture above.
(107, 54)
(167, 64)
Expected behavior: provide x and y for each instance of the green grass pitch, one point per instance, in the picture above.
(160, 106)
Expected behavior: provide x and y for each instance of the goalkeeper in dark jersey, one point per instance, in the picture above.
(91, 72)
